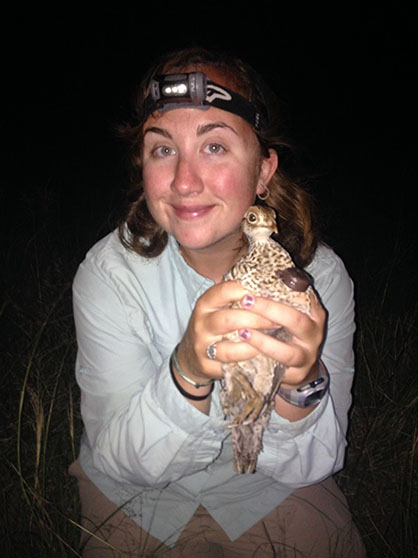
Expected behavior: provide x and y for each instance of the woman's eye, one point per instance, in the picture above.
(214, 148)
(163, 151)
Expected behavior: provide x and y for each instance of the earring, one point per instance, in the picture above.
(265, 194)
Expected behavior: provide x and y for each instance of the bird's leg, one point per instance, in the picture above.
(246, 399)
(259, 397)
(241, 390)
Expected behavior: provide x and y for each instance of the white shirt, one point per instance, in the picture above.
(145, 445)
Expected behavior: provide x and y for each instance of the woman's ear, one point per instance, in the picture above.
(269, 166)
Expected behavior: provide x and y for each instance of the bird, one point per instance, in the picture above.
(248, 388)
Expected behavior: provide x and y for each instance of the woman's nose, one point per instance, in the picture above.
(187, 179)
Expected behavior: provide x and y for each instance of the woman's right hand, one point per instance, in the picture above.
(211, 319)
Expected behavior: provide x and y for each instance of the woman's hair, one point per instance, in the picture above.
(297, 231)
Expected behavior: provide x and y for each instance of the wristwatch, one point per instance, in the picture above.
(309, 394)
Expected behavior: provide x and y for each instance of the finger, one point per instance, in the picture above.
(297, 322)
(222, 294)
(229, 320)
(297, 358)
(234, 351)
(280, 351)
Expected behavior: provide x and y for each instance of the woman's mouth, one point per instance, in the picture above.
(190, 212)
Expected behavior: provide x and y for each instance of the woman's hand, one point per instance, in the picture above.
(300, 354)
(211, 319)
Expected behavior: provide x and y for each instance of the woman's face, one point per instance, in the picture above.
(201, 171)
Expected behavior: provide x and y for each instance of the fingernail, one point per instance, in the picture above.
(248, 301)
(244, 334)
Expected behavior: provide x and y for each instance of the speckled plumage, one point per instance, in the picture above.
(249, 387)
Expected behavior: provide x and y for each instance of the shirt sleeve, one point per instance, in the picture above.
(139, 428)
(308, 451)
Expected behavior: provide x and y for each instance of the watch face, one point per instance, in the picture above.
(311, 385)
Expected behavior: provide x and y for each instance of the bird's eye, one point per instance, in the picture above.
(252, 217)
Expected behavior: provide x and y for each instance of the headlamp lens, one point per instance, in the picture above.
(175, 90)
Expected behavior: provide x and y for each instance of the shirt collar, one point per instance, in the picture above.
(189, 275)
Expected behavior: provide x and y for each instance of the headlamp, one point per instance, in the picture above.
(196, 90)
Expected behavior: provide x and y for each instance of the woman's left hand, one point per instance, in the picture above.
(300, 354)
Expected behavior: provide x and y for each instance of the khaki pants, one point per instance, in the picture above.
(312, 522)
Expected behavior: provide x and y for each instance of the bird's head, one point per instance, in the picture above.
(259, 222)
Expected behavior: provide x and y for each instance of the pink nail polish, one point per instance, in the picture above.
(248, 301)
(244, 334)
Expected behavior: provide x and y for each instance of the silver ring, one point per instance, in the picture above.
(211, 351)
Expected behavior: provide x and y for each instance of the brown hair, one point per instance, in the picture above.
(294, 205)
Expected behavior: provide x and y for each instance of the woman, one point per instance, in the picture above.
(205, 145)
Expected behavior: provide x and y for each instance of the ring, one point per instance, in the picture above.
(211, 351)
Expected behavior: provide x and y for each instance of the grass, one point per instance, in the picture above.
(41, 422)
(39, 411)
(381, 476)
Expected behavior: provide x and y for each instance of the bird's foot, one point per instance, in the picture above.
(242, 391)
(245, 466)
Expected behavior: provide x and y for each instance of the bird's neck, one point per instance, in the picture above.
(261, 238)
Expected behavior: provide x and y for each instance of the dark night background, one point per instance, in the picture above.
(349, 78)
